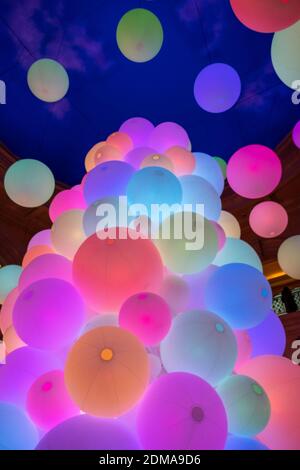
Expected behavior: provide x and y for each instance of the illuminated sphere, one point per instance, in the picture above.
(222, 164)
(183, 160)
(175, 291)
(17, 431)
(120, 141)
(108, 271)
(196, 287)
(48, 314)
(48, 402)
(101, 320)
(88, 433)
(138, 129)
(107, 179)
(48, 80)
(296, 135)
(65, 201)
(197, 190)
(268, 337)
(238, 251)
(147, 316)
(244, 347)
(136, 156)
(93, 219)
(217, 88)
(167, 135)
(12, 340)
(40, 238)
(268, 219)
(280, 379)
(29, 183)
(7, 309)
(201, 343)
(254, 171)
(67, 233)
(158, 160)
(9, 278)
(107, 371)
(183, 255)
(35, 252)
(139, 35)
(220, 234)
(240, 294)
(289, 256)
(246, 403)
(101, 153)
(209, 170)
(181, 411)
(243, 443)
(230, 225)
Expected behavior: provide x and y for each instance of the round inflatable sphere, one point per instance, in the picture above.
(238, 251)
(289, 256)
(230, 225)
(65, 201)
(7, 309)
(243, 443)
(296, 135)
(201, 343)
(240, 294)
(49, 314)
(48, 80)
(268, 337)
(196, 190)
(284, 55)
(138, 129)
(147, 316)
(101, 153)
(196, 284)
(181, 411)
(175, 291)
(17, 431)
(88, 433)
(246, 403)
(208, 169)
(40, 238)
(67, 233)
(244, 347)
(158, 160)
(183, 160)
(268, 219)
(9, 278)
(107, 371)
(167, 135)
(120, 141)
(136, 156)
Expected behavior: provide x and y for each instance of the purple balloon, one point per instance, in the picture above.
(107, 179)
(167, 135)
(197, 284)
(86, 432)
(217, 88)
(181, 411)
(137, 155)
(296, 135)
(268, 337)
(40, 238)
(138, 130)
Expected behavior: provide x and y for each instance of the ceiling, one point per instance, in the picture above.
(106, 88)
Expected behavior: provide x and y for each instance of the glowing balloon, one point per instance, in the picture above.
(280, 379)
(240, 294)
(296, 135)
(96, 215)
(139, 35)
(175, 291)
(246, 403)
(40, 238)
(238, 251)
(182, 160)
(223, 166)
(9, 278)
(67, 233)
(107, 371)
(158, 160)
(48, 80)
(12, 340)
(196, 190)
(101, 320)
(120, 141)
(243, 443)
(48, 314)
(201, 343)
(66, 201)
(208, 169)
(101, 153)
(88, 433)
(230, 225)
(181, 411)
(244, 347)
(136, 156)
(29, 183)
(268, 337)
(196, 287)
(108, 271)
(217, 88)
(17, 431)
(289, 256)
(268, 219)
(35, 252)
(48, 402)
(220, 234)
(7, 309)
(138, 129)
(167, 135)
(147, 316)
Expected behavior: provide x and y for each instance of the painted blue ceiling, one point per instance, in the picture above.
(106, 88)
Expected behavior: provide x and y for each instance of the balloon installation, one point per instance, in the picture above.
(131, 327)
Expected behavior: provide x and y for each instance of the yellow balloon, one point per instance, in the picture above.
(67, 233)
(285, 55)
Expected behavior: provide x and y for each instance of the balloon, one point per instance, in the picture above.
(181, 411)
(88, 433)
(120, 141)
(196, 287)
(29, 183)
(12, 340)
(139, 35)
(158, 160)
(268, 219)
(48, 402)
(9, 278)
(48, 80)
(107, 371)
(220, 235)
(7, 309)
(101, 153)
(40, 238)
(222, 164)
(97, 214)
(167, 135)
(136, 156)
(284, 55)
(107, 272)
(183, 160)
(217, 88)
(209, 170)
(35, 252)
(268, 337)
(254, 171)
(17, 431)
(196, 190)
(147, 316)
(201, 343)
(240, 294)
(289, 256)
(244, 347)
(138, 129)
(67, 233)
(101, 320)
(230, 225)
(48, 314)
(65, 201)
(243, 443)
(175, 291)
(238, 251)
(296, 135)
(246, 403)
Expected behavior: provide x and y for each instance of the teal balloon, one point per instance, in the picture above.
(209, 169)
(246, 403)
(197, 190)
(16, 430)
(9, 278)
(238, 251)
(201, 343)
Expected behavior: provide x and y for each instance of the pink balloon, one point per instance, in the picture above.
(268, 219)
(7, 310)
(167, 135)
(138, 130)
(254, 171)
(175, 291)
(220, 235)
(244, 347)
(66, 201)
(147, 316)
(42, 238)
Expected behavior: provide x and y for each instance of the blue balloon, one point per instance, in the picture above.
(9, 278)
(210, 170)
(268, 337)
(197, 190)
(243, 443)
(16, 430)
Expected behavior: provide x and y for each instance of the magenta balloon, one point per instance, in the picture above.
(86, 432)
(268, 219)
(197, 285)
(138, 130)
(65, 201)
(49, 314)
(296, 135)
(44, 267)
(181, 411)
(254, 171)
(167, 135)
(42, 238)
(136, 156)
(268, 337)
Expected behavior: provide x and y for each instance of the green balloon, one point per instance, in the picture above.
(222, 164)
(139, 35)
(285, 55)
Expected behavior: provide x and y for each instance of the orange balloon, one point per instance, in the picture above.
(100, 153)
(158, 159)
(12, 341)
(36, 251)
(120, 141)
(107, 371)
(7, 309)
(183, 161)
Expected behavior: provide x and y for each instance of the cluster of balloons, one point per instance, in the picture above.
(117, 340)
